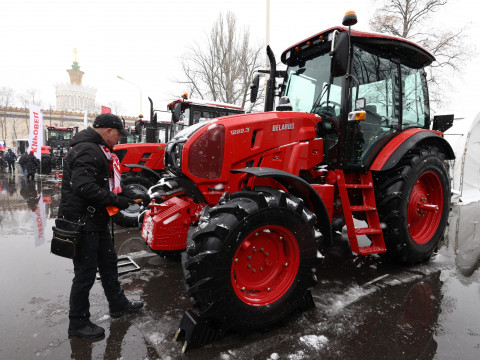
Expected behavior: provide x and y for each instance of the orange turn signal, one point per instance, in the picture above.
(357, 116)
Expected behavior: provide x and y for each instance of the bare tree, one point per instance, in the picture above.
(34, 96)
(116, 107)
(6, 100)
(25, 101)
(410, 19)
(222, 69)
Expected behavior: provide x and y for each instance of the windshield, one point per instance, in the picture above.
(308, 89)
(60, 134)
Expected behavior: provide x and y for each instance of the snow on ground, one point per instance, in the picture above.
(314, 341)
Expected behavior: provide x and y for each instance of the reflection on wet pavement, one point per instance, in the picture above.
(365, 308)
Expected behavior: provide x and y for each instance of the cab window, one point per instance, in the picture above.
(415, 109)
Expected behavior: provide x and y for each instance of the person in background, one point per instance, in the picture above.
(2, 160)
(23, 160)
(10, 157)
(32, 165)
(91, 182)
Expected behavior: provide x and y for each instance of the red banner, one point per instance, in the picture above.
(106, 110)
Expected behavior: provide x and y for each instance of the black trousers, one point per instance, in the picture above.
(11, 166)
(97, 251)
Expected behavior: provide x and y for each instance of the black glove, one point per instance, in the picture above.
(123, 202)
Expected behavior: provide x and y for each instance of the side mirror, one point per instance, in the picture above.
(339, 54)
(254, 88)
(177, 111)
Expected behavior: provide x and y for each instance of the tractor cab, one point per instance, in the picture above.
(366, 88)
(187, 112)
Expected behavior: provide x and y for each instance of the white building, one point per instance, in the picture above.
(74, 96)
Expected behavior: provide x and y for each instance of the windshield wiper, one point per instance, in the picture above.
(320, 96)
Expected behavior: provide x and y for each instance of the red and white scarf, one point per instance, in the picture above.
(115, 166)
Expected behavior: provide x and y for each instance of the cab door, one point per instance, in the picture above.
(380, 85)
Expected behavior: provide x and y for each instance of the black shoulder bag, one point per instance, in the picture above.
(66, 236)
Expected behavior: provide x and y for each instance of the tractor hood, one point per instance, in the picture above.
(209, 150)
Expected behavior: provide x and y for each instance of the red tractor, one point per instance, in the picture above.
(253, 198)
(57, 141)
(143, 163)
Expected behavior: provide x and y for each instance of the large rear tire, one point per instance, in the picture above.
(414, 203)
(251, 260)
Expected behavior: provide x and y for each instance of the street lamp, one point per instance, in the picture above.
(139, 88)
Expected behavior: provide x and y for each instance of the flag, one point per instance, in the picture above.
(106, 110)
(35, 138)
(85, 120)
(2, 145)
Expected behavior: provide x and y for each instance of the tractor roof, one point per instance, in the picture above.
(409, 53)
(60, 128)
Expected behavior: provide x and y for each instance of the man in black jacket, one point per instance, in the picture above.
(91, 178)
(10, 158)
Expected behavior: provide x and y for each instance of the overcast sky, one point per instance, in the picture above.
(142, 40)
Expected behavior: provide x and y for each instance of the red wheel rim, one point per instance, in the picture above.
(265, 265)
(425, 207)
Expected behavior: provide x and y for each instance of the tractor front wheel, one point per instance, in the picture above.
(134, 186)
(414, 203)
(250, 261)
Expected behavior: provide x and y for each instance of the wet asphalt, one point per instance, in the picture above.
(364, 307)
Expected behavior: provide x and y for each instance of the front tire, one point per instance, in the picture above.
(414, 203)
(250, 261)
(134, 186)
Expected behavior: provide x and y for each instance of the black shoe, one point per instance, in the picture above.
(130, 308)
(88, 332)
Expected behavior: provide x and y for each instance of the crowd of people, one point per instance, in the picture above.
(28, 162)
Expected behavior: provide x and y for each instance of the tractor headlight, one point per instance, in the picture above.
(205, 158)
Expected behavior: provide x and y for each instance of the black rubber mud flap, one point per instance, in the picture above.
(197, 332)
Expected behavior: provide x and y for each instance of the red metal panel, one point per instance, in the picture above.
(137, 153)
(327, 193)
(390, 148)
(165, 225)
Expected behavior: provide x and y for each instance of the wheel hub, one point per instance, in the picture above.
(265, 265)
(425, 207)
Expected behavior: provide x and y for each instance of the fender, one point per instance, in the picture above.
(298, 187)
(393, 151)
(136, 166)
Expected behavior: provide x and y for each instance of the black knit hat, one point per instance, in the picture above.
(108, 120)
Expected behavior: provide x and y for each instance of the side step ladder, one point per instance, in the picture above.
(368, 207)
(125, 265)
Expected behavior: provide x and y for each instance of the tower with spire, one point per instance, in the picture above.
(74, 96)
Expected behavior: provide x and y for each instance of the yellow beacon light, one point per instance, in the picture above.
(350, 18)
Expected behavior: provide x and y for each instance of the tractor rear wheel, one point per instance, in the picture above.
(134, 186)
(414, 203)
(250, 261)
